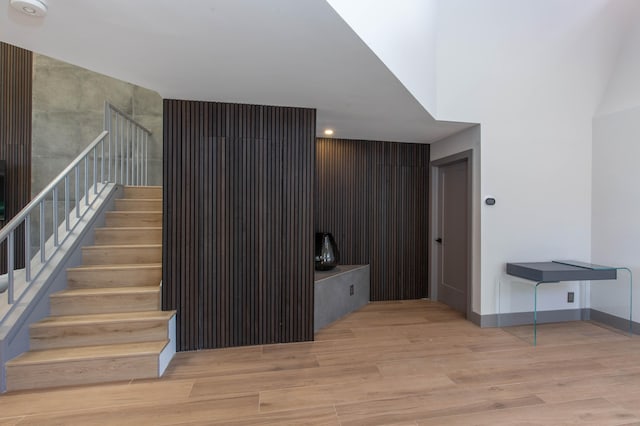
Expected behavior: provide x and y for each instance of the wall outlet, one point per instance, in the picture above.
(351, 290)
(570, 297)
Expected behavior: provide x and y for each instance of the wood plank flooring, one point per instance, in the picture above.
(400, 363)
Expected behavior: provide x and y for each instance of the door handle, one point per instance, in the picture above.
(439, 240)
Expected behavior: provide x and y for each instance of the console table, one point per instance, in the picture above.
(565, 270)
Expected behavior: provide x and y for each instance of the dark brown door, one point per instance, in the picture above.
(453, 223)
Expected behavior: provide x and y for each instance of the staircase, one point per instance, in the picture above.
(107, 325)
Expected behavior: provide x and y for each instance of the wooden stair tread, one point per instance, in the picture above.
(118, 267)
(120, 246)
(88, 352)
(106, 290)
(142, 188)
(138, 204)
(130, 228)
(64, 320)
(132, 212)
(141, 199)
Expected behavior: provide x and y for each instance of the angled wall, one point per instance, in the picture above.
(403, 34)
(374, 198)
(238, 231)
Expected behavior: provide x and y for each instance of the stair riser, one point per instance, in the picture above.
(108, 279)
(143, 192)
(124, 236)
(97, 256)
(80, 372)
(52, 337)
(133, 219)
(103, 304)
(141, 205)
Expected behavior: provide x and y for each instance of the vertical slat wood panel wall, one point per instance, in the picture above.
(15, 138)
(374, 198)
(238, 223)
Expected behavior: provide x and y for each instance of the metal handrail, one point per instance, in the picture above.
(114, 108)
(128, 141)
(17, 219)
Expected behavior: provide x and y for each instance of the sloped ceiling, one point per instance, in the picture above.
(276, 52)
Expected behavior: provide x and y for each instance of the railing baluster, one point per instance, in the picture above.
(140, 136)
(128, 150)
(27, 247)
(77, 191)
(140, 157)
(113, 156)
(43, 254)
(134, 179)
(146, 158)
(56, 243)
(10, 266)
(102, 162)
(66, 203)
(107, 125)
(122, 153)
(86, 181)
(139, 166)
(133, 153)
(115, 149)
(95, 171)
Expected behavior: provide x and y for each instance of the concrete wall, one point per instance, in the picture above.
(68, 111)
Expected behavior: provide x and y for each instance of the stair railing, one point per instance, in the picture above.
(128, 136)
(117, 156)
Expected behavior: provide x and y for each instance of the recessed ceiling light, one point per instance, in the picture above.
(30, 7)
(328, 132)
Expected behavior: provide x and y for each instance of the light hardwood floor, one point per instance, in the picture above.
(401, 363)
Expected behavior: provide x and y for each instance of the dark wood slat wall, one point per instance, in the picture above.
(374, 198)
(238, 223)
(16, 70)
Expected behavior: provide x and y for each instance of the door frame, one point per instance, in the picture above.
(434, 178)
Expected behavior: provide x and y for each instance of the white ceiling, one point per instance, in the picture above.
(275, 52)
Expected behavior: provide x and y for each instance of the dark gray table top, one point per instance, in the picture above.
(562, 270)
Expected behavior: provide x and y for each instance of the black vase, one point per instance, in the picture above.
(327, 254)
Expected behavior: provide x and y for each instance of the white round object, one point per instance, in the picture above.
(30, 7)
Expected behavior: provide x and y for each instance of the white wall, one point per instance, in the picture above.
(616, 197)
(402, 33)
(465, 140)
(616, 206)
(532, 73)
